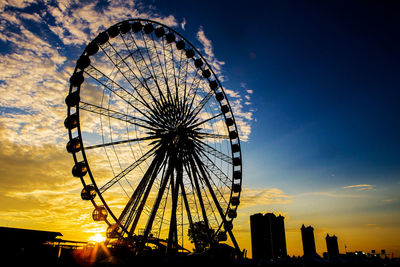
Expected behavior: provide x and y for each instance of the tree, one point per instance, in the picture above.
(203, 234)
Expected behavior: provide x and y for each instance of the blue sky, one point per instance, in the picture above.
(317, 91)
(325, 80)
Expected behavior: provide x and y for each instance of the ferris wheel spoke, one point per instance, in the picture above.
(172, 235)
(120, 65)
(164, 181)
(207, 120)
(130, 207)
(152, 63)
(184, 81)
(193, 81)
(171, 70)
(190, 109)
(164, 74)
(211, 168)
(128, 170)
(116, 115)
(115, 88)
(210, 150)
(214, 169)
(215, 199)
(151, 175)
(176, 75)
(192, 167)
(168, 65)
(188, 213)
(213, 136)
(200, 106)
(183, 66)
(122, 142)
(112, 86)
(159, 218)
(187, 168)
(206, 178)
(210, 207)
(150, 75)
(144, 200)
(163, 203)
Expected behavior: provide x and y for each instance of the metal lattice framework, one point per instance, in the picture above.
(153, 136)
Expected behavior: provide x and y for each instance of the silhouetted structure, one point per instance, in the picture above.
(279, 237)
(17, 236)
(268, 238)
(332, 246)
(258, 244)
(24, 247)
(24, 244)
(307, 235)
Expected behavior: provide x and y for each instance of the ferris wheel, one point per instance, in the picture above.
(153, 136)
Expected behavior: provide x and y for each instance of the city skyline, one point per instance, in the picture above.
(313, 87)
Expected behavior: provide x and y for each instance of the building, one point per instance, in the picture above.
(279, 237)
(307, 235)
(332, 246)
(25, 247)
(30, 238)
(28, 245)
(258, 236)
(268, 240)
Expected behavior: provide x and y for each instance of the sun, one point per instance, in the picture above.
(98, 238)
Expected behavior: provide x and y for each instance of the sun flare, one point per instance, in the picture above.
(98, 238)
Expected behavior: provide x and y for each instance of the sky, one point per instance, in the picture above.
(313, 86)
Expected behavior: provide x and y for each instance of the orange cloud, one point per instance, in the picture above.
(360, 187)
(264, 196)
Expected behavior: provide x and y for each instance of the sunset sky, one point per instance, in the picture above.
(313, 84)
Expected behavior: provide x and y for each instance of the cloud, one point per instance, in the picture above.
(232, 93)
(183, 24)
(331, 194)
(360, 187)
(76, 25)
(35, 17)
(372, 226)
(389, 200)
(16, 3)
(209, 54)
(207, 45)
(266, 196)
